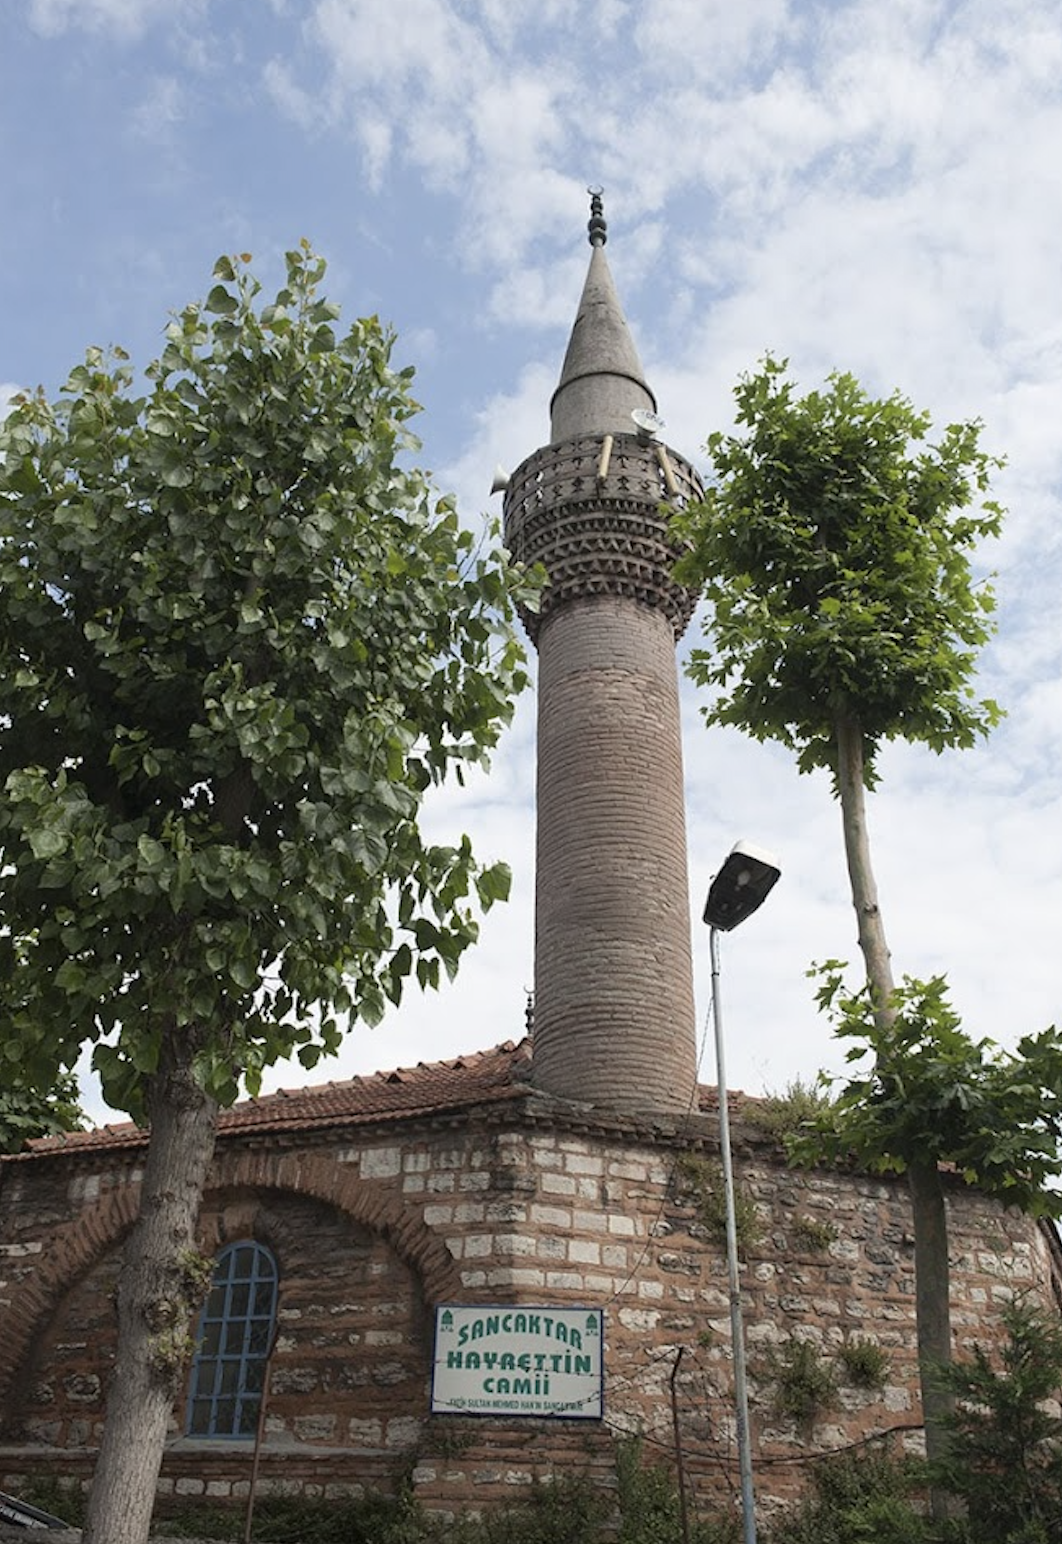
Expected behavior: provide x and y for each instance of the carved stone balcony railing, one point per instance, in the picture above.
(593, 512)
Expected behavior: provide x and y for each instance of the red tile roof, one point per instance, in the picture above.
(428, 1089)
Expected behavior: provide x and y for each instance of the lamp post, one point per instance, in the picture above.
(741, 885)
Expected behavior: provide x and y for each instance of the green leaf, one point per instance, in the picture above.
(493, 884)
(47, 842)
(152, 853)
(242, 973)
(221, 302)
(176, 474)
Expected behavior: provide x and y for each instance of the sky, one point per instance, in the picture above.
(850, 185)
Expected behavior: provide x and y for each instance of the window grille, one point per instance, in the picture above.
(233, 1341)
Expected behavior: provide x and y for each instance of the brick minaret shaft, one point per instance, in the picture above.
(614, 1017)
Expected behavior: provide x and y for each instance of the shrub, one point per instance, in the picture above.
(862, 1497)
(780, 1115)
(813, 1232)
(805, 1384)
(49, 1494)
(371, 1519)
(650, 1509)
(703, 1183)
(865, 1363)
(560, 1510)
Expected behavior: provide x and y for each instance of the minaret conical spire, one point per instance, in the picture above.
(601, 379)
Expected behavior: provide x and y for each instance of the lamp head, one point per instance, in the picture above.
(741, 886)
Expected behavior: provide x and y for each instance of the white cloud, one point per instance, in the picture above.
(506, 430)
(161, 110)
(536, 295)
(301, 105)
(709, 40)
(8, 390)
(126, 18)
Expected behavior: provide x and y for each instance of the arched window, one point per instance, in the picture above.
(233, 1340)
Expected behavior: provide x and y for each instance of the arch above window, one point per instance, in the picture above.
(233, 1341)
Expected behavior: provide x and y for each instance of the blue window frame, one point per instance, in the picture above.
(233, 1341)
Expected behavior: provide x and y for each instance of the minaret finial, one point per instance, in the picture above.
(597, 227)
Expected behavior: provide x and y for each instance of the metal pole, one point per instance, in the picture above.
(259, 1430)
(737, 1333)
(680, 1467)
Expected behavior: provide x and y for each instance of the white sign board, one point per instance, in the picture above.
(517, 1361)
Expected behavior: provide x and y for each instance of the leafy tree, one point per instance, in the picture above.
(859, 1497)
(1005, 1453)
(834, 549)
(239, 642)
(932, 1093)
(26, 1113)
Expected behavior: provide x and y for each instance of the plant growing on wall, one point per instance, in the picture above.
(814, 1233)
(779, 1114)
(239, 641)
(701, 1184)
(834, 549)
(865, 1363)
(804, 1381)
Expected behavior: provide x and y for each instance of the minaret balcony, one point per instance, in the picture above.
(594, 512)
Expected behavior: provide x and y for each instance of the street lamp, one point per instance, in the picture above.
(740, 887)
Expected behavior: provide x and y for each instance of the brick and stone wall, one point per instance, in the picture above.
(529, 1204)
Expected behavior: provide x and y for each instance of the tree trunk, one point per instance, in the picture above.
(158, 1290)
(932, 1310)
(932, 1283)
(851, 789)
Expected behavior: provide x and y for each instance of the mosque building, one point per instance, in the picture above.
(469, 1274)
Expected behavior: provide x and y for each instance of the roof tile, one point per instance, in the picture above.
(429, 1089)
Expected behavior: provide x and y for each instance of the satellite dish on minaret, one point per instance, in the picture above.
(647, 423)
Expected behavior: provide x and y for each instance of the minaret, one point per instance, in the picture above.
(613, 1015)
